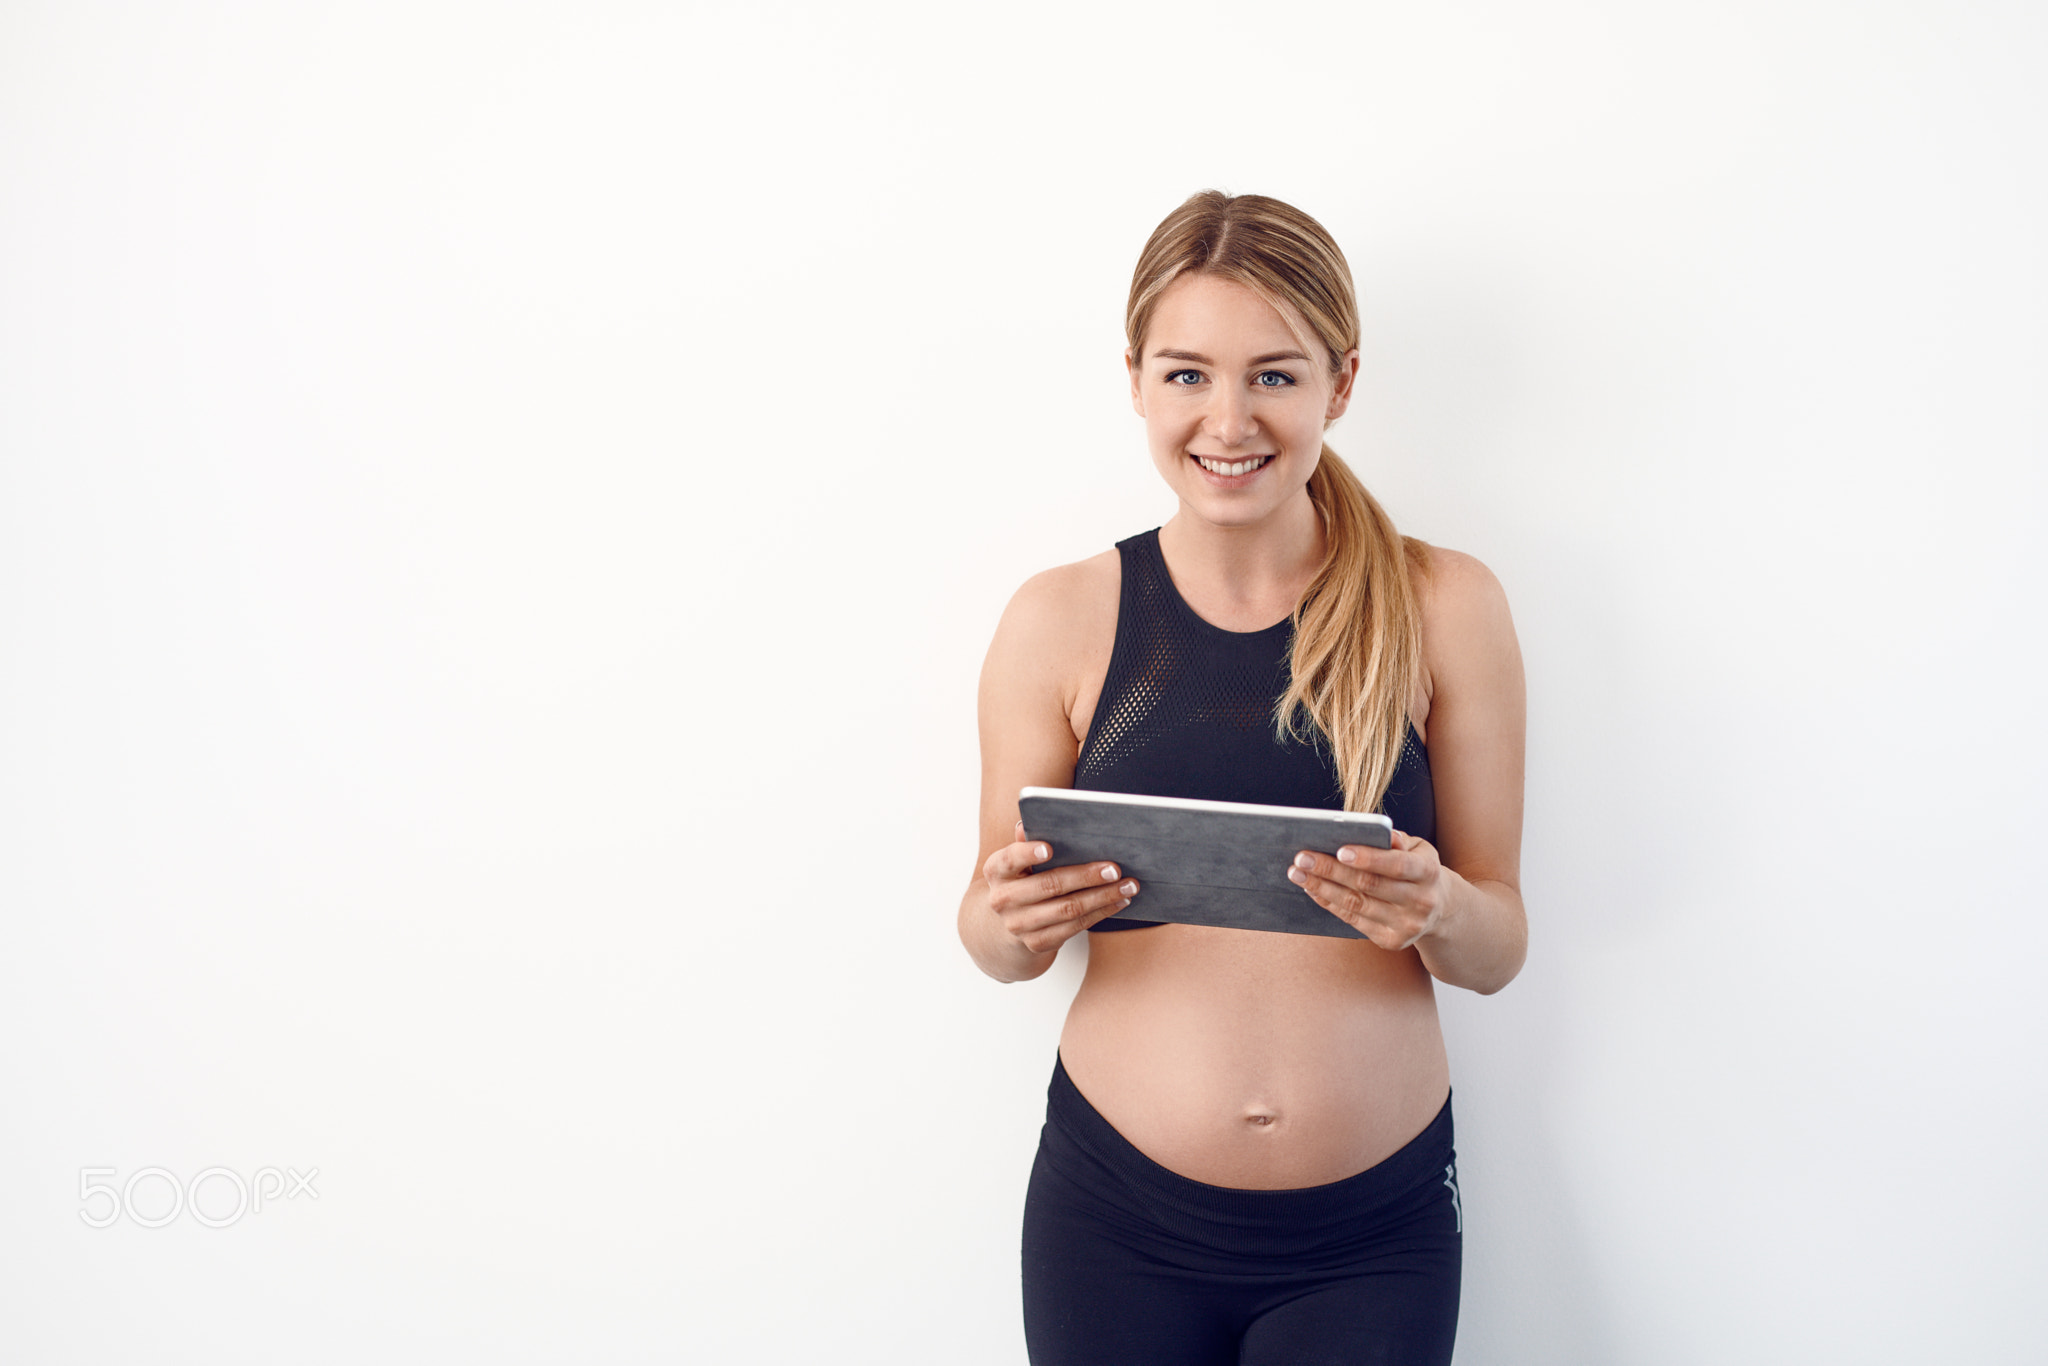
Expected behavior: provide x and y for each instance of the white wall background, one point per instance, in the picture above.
(464, 467)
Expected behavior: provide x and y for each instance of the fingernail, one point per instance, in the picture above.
(1304, 862)
(1347, 855)
(1044, 852)
(1109, 872)
(1129, 889)
(1296, 875)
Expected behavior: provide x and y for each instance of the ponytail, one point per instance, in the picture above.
(1357, 637)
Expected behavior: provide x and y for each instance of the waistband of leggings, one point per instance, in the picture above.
(1424, 1158)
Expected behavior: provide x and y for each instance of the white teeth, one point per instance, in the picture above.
(1238, 467)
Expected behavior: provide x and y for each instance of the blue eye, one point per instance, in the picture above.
(1184, 377)
(1274, 379)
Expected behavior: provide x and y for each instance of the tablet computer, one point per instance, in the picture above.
(1199, 862)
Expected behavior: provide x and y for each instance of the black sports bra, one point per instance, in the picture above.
(1187, 711)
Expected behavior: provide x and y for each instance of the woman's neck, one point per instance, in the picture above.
(1244, 578)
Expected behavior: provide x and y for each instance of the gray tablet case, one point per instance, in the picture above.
(1201, 863)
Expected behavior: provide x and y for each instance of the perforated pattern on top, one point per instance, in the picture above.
(1187, 707)
(1187, 711)
(1171, 672)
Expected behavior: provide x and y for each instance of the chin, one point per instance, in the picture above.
(1229, 512)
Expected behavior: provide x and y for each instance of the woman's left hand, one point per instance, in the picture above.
(1391, 896)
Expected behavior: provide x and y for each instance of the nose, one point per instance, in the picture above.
(1230, 418)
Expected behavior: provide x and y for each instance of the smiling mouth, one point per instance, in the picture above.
(1230, 468)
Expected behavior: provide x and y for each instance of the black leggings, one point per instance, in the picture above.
(1129, 1264)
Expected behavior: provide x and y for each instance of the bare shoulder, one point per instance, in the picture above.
(1466, 624)
(1454, 581)
(1056, 602)
(1054, 628)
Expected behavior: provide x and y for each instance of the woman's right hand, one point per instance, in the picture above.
(1043, 910)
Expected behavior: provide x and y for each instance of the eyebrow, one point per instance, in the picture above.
(1200, 359)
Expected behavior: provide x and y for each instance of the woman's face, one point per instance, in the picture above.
(1234, 405)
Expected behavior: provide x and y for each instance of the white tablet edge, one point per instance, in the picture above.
(1200, 804)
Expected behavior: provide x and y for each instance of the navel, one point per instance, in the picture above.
(1259, 1117)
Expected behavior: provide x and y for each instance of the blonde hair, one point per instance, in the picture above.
(1357, 628)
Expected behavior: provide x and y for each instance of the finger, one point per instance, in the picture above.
(1047, 924)
(1351, 906)
(1328, 891)
(1362, 855)
(1353, 878)
(1388, 925)
(1392, 921)
(1099, 903)
(1393, 865)
(1055, 883)
(1097, 917)
(1015, 860)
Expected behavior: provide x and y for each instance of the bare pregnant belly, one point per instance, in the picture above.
(1257, 1061)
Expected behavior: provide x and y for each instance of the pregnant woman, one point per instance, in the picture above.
(1247, 1154)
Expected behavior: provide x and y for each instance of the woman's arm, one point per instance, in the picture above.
(1053, 633)
(1457, 902)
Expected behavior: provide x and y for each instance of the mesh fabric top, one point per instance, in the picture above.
(1187, 711)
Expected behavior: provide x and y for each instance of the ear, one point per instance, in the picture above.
(1347, 380)
(1131, 368)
